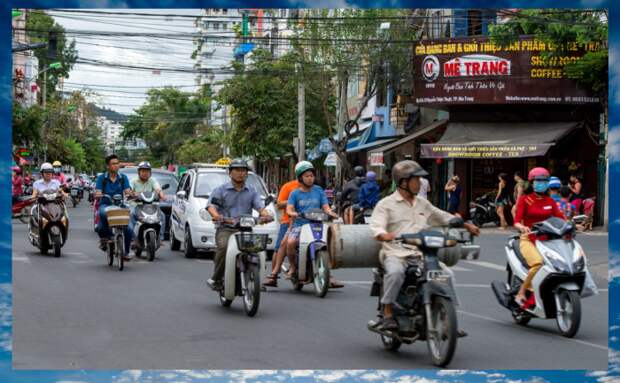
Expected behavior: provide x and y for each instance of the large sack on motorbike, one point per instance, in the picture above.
(449, 255)
(352, 246)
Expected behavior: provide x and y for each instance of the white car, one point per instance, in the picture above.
(191, 224)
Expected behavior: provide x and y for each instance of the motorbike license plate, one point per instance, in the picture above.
(74, 192)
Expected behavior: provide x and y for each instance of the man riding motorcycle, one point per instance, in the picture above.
(403, 213)
(350, 194)
(111, 183)
(231, 200)
(370, 192)
(145, 183)
(58, 174)
(533, 207)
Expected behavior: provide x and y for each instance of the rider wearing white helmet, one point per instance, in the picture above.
(145, 183)
(47, 181)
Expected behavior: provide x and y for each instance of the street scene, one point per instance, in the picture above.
(310, 189)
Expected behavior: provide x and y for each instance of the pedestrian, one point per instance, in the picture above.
(453, 187)
(425, 188)
(519, 190)
(17, 182)
(576, 189)
(501, 199)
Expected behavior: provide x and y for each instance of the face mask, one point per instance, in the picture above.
(541, 186)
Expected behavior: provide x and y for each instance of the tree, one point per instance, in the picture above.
(39, 25)
(263, 97)
(27, 123)
(167, 119)
(203, 149)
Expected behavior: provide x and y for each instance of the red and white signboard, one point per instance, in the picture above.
(376, 159)
(476, 65)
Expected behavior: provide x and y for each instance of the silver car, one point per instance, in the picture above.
(191, 224)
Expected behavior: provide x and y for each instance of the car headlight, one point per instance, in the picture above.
(204, 214)
(434, 242)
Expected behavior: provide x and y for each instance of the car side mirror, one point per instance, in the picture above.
(456, 222)
(181, 194)
(166, 186)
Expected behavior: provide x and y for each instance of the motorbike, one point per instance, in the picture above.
(245, 264)
(483, 210)
(557, 285)
(361, 215)
(148, 224)
(312, 254)
(425, 307)
(21, 208)
(75, 194)
(118, 216)
(49, 223)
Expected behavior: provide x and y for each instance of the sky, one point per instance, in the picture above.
(120, 89)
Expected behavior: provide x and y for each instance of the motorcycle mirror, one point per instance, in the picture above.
(181, 194)
(456, 222)
(166, 186)
(270, 198)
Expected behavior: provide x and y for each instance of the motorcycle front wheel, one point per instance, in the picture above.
(57, 245)
(151, 245)
(568, 315)
(321, 273)
(223, 301)
(442, 342)
(251, 295)
(24, 215)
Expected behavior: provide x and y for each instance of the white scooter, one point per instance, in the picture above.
(557, 285)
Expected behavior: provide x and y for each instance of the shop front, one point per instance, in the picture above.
(510, 109)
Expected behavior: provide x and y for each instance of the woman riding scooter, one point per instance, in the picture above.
(533, 207)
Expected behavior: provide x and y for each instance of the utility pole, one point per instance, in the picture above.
(301, 122)
(342, 117)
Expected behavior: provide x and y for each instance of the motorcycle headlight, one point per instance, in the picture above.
(556, 261)
(579, 260)
(434, 242)
(51, 196)
(246, 222)
(204, 214)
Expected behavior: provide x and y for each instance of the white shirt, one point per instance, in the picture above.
(41, 185)
(424, 186)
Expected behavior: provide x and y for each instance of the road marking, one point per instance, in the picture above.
(488, 265)
(534, 330)
(459, 268)
(21, 259)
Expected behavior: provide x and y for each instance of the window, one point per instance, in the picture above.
(224, 11)
(436, 25)
(474, 23)
(283, 13)
(224, 26)
(216, 26)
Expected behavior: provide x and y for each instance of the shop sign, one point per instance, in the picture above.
(483, 151)
(376, 159)
(331, 159)
(474, 70)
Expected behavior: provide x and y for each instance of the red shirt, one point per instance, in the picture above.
(532, 209)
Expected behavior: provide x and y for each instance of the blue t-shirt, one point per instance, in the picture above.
(120, 184)
(305, 201)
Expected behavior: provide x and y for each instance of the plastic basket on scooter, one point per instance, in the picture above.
(117, 216)
(251, 242)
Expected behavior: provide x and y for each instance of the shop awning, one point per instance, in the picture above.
(369, 145)
(411, 137)
(497, 140)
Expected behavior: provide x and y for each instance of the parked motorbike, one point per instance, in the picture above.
(557, 285)
(21, 208)
(148, 224)
(483, 210)
(424, 309)
(312, 254)
(245, 264)
(118, 216)
(49, 223)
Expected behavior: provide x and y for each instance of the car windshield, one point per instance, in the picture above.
(161, 178)
(209, 181)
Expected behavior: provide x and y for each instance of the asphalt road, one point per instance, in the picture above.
(75, 312)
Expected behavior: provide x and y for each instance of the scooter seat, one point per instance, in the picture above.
(517, 249)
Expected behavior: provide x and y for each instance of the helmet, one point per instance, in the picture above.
(555, 183)
(144, 165)
(302, 167)
(238, 163)
(56, 164)
(538, 174)
(407, 169)
(359, 171)
(16, 169)
(371, 176)
(47, 167)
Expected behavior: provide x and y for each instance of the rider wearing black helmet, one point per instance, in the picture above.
(350, 192)
(231, 200)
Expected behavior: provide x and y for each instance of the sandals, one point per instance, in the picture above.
(271, 281)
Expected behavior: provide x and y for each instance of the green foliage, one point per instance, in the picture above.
(264, 103)
(38, 23)
(167, 119)
(562, 28)
(203, 149)
(73, 153)
(27, 123)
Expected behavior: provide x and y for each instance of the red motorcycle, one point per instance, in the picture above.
(21, 208)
